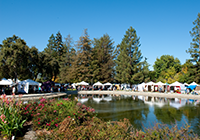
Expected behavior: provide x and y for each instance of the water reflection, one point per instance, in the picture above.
(144, 110)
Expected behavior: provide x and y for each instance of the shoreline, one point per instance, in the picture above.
(27, 97)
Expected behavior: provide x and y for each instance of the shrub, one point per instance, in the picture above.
(47, 114)
(11, 121)
(162, 131)
(93, 128)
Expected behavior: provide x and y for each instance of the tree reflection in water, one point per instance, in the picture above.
(134, 110)
(140, 113)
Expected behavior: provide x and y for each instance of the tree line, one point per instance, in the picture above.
(97, 59)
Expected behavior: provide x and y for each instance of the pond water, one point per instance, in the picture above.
(145, 111)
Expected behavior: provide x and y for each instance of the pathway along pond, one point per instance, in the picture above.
(145, 111)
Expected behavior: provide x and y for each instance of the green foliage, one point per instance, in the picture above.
(166, 68)
(194, 51)
(17, 59)
(128, 62)
(93, 128)
(52, 56)
(67, 58)
(102, 60)
(81, 66)
(49, 113)
(11, 121)
(162, 131)
(152, 76)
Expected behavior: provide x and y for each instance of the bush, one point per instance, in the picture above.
(47, 114)
(162, 131)
(11, 121)
(93, 128)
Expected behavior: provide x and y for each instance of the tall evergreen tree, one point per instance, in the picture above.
(145, 71)
(81, 67)
(59, 47)
(67, 59)
(129, 65)
(102, 60)
(54, 53)
(194, 49)
(34, 63)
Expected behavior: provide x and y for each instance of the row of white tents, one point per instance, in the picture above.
(83, 83)
(22, 86)
(150, 86)
(176, 86)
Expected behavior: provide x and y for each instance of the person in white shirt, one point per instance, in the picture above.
(13, 90)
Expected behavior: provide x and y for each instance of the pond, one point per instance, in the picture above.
(145, 111)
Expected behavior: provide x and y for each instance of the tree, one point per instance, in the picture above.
(15, 58)
(145, 71)
(194, 50)
(54, 53)
(67, 59)
(168, 76)
(81, 65)
(152, 76)
(166, 62)
(102, 61)
(128, 62)
(34, 62)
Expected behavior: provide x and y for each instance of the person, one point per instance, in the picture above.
(39, 89)
(143, 88)
(59, 89)
(188, 91)
(3, 90)
(13, 90)
(52, 89)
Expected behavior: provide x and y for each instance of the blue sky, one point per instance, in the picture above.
(162, 25)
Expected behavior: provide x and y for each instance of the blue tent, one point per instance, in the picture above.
(192, 87)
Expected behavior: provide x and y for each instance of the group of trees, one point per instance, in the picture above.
(169, 69)
(96, 60)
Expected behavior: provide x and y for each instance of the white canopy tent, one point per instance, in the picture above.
(150, 83)
(177, 84)
(74, 85)
(4, 81)
(107, 84)
(98, 84)
(193, 83)
(159, 86)
(141, 86)
(83, 83)
(160, 83)
(23, 86)
(149, 86)
(186, 84)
